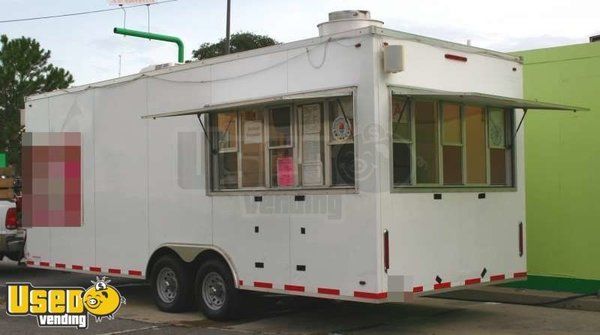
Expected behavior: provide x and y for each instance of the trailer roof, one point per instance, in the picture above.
(372, 30)
(478, 98)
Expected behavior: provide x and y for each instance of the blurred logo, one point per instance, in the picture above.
(341, 129)
(64, 306)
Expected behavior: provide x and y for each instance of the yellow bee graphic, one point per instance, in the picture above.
(102, 300)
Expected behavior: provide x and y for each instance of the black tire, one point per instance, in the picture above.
(229, 307)
(179, 299)
(14, 257)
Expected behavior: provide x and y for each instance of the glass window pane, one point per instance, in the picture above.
(227, 130)
(253, 170)
(497, 128)
(311, 117)
(282, 168)
(452, 129)
(402, 164)
(476, 145)
(400, 120)
(227, 170)
(426, 130)
(342, 164)
(280, 131)
(499, 167)
(452, 165)
(341, 119)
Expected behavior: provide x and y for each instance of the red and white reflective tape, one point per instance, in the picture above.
(326, 292)
(369, 295)
(439, 286)
(261, 284)
(93, 269)
(472, 281)
(295, 288)
(520, 275)
(497, 277)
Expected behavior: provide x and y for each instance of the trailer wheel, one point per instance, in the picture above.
(216, 295)
(172, 286)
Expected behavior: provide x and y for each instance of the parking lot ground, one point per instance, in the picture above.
(272, 314)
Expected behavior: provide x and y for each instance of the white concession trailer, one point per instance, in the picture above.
(365, 164)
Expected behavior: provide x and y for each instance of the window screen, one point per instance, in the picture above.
(341, 140)
(311, 118)
(500, 153)
(253, 162)
(426, 131)
(307, 143)
(452, 144)
(476, 145)
(402, 140)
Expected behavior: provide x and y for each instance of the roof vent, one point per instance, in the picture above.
(156, 67)
(345, 20)
(595, 38)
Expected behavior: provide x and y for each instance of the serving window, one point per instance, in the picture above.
(304, 144)
(438, 143)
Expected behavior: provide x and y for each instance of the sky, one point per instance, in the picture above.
(86, 46)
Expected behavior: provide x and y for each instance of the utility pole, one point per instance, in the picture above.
(227, 33)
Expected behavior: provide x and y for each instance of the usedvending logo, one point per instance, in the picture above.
(64, 306)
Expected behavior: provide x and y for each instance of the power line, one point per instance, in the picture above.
(81, 13)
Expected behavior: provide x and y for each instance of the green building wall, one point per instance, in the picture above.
(563, 163)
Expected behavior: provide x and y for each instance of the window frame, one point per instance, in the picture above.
(413, 156)
(216, 151)
(267, 110)
(487, 145)
(510, 117)
(329, 143)
(240, 153)
(462, 145)
(296, 146)
(509, 142)
(436, 113)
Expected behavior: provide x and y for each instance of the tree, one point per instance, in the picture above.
(242, 41)
(24, 70)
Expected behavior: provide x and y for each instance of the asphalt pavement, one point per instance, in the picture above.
(518, 312)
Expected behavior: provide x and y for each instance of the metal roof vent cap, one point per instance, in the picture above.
(345, 20)
(155, 67)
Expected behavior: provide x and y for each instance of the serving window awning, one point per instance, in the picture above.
(321, 94)
(481, 98)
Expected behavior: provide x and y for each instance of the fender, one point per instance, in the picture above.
(188, 253)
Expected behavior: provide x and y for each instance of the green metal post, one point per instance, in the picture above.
(153, 36)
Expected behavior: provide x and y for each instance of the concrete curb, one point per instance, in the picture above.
(519, 296)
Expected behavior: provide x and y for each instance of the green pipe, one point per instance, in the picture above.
(153, 36)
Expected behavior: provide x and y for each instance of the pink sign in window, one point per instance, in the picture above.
(285, 171)
(51, 170)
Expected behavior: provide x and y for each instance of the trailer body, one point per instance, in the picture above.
(147, 184)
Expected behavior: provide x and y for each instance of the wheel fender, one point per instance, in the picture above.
(189, 252)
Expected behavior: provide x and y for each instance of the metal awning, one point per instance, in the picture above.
(322, 94)
(481, 98)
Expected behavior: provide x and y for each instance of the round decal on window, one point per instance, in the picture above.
(341, 129)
